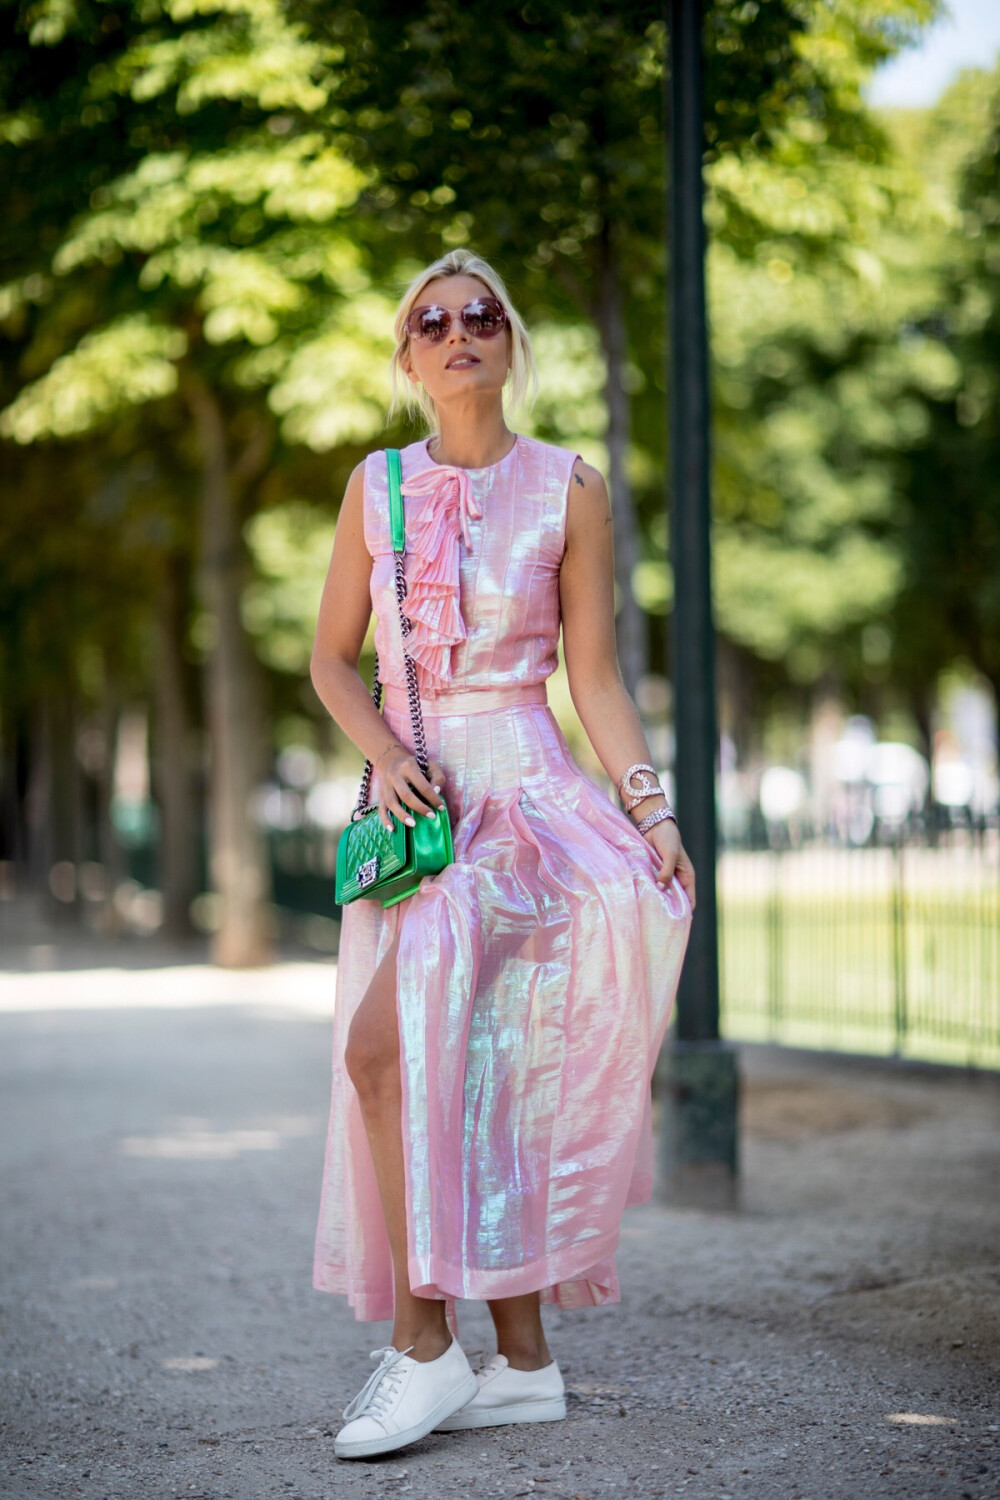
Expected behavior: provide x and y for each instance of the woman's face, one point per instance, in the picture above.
(460, 365)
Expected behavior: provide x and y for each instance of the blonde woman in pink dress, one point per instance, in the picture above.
(495, 1032)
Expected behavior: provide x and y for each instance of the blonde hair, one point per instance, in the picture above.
(522, 379)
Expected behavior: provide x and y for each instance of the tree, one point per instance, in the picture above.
(537, 133)
(207, 267)
(950, 603)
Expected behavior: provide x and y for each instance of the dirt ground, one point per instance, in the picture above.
(161, 1141)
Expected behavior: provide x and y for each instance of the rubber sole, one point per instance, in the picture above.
(449, 1404)
(552, 1410)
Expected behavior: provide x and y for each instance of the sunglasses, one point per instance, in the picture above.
(483, 318)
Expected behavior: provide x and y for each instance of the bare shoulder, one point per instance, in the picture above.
(588, 505)
(352, 508)
(354, 491)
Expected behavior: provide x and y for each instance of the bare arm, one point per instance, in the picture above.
(344, 613)
(606, 710)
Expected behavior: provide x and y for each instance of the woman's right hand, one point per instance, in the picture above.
(403, 786)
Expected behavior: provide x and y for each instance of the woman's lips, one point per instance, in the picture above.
(461, 359)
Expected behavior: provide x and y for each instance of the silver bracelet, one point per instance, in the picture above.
(645, 789)
(658, 815)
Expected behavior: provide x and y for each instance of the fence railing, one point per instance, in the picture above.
(888, 948)
(891, 949)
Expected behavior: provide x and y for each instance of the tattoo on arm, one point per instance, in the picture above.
(580, 481)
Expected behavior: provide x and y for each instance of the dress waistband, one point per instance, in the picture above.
(466, 700)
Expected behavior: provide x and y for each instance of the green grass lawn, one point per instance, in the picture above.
(862, 952)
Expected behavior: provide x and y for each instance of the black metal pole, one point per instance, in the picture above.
(699, 1138)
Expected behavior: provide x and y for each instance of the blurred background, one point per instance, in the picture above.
(211, 209)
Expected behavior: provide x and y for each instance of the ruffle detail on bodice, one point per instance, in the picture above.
(434, 529)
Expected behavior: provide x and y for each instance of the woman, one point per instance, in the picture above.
(496, 1032)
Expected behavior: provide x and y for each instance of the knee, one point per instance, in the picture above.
(372, 1065)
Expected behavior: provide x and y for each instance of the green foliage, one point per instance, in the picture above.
(537, 135)
(950, 607)
(291, 549)
(176, 212)
(234, 190)
(832, 267)
(128, 362)
(226, 229)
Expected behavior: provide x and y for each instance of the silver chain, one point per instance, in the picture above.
(362, 805)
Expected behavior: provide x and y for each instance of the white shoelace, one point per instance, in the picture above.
(380, 1388)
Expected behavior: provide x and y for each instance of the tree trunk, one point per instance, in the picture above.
(993, 679)
(38, 800)
(631, 625)
(238, 862)
(65, 807)
(16, 772)
(172, 761)
(109, 850)
(736, 697)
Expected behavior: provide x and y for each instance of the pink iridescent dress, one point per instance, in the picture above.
(536, 974)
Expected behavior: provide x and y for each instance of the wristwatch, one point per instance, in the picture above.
(658, 815)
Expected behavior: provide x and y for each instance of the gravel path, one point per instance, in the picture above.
(160, 1151)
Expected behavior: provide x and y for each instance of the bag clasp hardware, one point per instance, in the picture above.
(368, 872)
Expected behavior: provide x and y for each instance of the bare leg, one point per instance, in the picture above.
(372, 1059)
(518, 1324)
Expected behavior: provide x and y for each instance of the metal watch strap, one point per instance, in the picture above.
(658, 815)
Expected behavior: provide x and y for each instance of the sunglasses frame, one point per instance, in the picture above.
(474, 302)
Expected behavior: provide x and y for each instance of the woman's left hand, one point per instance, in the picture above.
(666, 840)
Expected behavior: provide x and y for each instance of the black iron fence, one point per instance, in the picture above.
(891, 948)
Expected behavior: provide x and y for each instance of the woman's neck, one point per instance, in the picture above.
(470, 447)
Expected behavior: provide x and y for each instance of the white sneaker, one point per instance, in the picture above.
(403, 1400)
(508, 1395)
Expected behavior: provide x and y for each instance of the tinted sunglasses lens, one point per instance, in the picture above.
(484, 318)
(430, 323)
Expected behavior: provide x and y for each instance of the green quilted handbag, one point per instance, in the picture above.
(374, 861)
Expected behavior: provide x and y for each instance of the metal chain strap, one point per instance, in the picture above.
(362, 805)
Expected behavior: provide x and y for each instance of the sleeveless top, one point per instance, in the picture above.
(495, 536)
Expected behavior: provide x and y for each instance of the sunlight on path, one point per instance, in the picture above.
(301, 987)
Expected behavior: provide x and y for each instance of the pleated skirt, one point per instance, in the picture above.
(536, 976)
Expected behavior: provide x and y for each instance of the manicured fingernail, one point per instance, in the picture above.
(437, 789)
(429, 813)
(411, 821)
